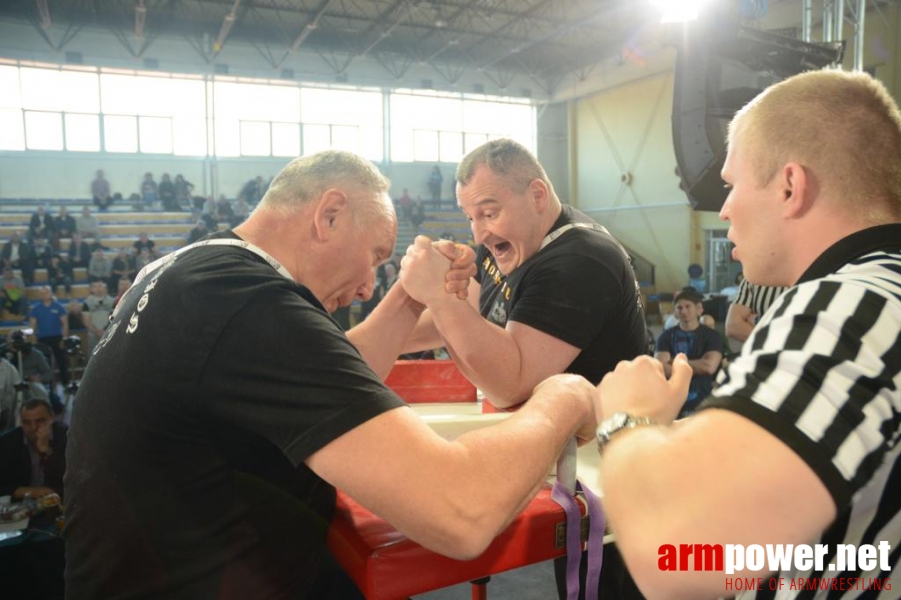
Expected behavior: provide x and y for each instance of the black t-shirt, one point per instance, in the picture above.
(217, 378)
(695, 344)
(580, 289)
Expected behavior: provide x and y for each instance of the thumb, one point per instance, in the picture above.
(446, 247)
(681, 374)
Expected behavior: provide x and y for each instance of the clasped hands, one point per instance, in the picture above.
(435, 271)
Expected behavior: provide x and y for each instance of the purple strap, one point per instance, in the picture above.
(596, 523)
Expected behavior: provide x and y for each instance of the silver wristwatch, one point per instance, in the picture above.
(617, 422)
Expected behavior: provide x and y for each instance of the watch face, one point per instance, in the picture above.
(616, 421)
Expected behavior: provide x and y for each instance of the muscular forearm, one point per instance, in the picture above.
(487, 354)
(714, 474)
(381, 337)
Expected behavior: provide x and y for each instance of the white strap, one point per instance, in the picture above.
(215, 242)
(169, 258)
(564, 228)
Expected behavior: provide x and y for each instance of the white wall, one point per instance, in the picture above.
(625, 173)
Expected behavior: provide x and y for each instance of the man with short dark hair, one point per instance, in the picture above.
(33, 455)
(703, 346)
(554, 293)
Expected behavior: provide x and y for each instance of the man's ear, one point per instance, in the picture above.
(798, 190)
(331, 205)
(540, 194)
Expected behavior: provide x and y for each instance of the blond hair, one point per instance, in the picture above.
(507, 158)
(844, 126)
(306, 178)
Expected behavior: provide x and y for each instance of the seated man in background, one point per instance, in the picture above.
(18, 254)
(40, 225)
(33, 455)
(12, 294)
(79, 252)
(799, 444)
(63, 226)
(95, 312)
(87, 224)
(703, 346)
(218, 455)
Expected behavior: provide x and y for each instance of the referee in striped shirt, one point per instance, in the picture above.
(750, 304)
(799, 444)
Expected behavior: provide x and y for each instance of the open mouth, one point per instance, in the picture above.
(501, 249)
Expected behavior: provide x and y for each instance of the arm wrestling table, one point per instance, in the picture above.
(385, 565)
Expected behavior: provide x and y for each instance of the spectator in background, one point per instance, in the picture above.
(123, 268)
(79, 252)
(87, 224)
(198, 232)
(63, 226)
(731, 291)
(12, 293)
(121, 287)
(95, 313)
(435, 182)
(101, 192)
(224, 212)
(42, 252)
(165, 191)
(143, 259)
(50, 325)
(183, 191)
(100, 268)
(405, 204)
(18, 254)
(41, 225)
(144, 242)
(253, 191)
(59, 273)
(96, 243)
(148, 189)
(701, 345)
(36, 370)
(33, 455)
(208, 214)
(241, 212)
(417, 217)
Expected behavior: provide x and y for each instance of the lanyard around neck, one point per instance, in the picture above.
(147, 270)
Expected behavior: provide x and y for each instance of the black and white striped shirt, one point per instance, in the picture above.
(757, 297)
(822, 371)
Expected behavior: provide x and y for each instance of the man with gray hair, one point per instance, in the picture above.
(223, 404)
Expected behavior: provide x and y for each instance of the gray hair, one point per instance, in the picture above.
(306, 178)
(507, 158)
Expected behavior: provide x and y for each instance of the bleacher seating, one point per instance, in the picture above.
(119, 227)
(449, 219)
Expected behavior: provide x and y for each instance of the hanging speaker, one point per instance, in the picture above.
(720, 67)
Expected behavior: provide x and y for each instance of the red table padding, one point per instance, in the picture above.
(385, 565)
(430, 381)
